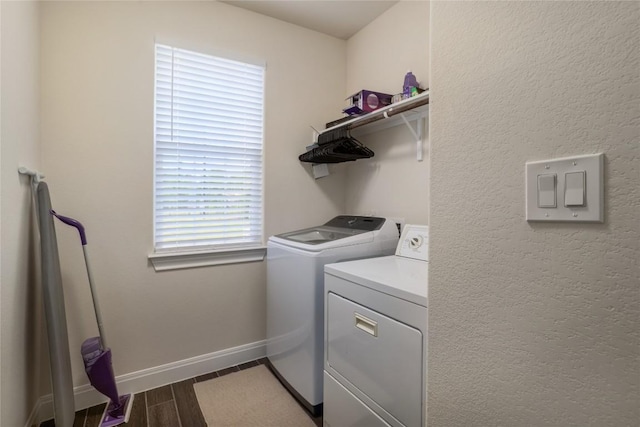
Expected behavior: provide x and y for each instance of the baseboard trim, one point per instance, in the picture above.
(147, 379)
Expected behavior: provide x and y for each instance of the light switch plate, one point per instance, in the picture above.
(592, 211)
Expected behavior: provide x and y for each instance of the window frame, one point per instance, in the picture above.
(207, 255)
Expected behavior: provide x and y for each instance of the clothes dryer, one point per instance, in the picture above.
(295, 299)
(376, 337)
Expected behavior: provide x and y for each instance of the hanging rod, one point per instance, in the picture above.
(385, 112)
(407, 110)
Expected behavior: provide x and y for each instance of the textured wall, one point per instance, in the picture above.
(21, 307)
(392, 183)
(532, 324)
(97, 67)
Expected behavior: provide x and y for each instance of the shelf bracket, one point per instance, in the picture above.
(417, 134)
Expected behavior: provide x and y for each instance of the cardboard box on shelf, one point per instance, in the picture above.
(366, 101)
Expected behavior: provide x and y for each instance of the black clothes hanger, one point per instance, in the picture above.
(336, 146)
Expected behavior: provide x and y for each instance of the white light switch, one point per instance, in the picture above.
(547, 190)
(578, 183)
(574, 188)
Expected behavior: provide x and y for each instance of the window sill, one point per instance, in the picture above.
(179, 260)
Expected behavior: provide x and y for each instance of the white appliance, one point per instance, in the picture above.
(376, 337)
(295, 266)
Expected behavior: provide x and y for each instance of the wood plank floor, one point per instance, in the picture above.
(173, 405)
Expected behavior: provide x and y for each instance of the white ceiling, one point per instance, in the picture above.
(338, 18)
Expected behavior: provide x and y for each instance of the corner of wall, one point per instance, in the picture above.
(392, 183)
(19, 139)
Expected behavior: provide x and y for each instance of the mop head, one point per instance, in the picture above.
(115, 415)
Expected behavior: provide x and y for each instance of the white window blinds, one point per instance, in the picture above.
(208, 152)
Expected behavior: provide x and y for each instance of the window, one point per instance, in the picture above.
(208, 153)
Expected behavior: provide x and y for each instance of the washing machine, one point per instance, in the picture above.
(295, 301)
(375, 369)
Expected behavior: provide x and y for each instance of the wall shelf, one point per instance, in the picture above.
(415, 106)
(403, 112)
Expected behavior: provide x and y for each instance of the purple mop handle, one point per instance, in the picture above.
(83, 238)
(74, 223)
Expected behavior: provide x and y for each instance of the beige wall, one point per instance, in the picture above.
(392, 183)
(97, 144)
(20, 320)
(532, 323)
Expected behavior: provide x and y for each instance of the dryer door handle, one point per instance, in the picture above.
(365, 324)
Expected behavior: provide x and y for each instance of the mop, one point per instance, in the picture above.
(97, 356)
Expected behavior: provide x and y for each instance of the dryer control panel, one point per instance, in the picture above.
(414, 242)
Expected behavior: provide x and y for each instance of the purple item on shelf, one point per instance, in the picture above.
(410, 81)
(366, 101)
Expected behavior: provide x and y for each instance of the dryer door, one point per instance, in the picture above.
(378, 355)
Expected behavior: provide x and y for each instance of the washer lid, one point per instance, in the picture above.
(319, 235)
(340, 227)
(350, 222)
(320, 239)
